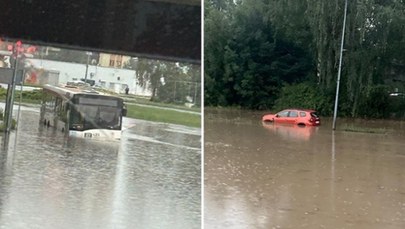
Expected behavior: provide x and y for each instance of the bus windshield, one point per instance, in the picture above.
(97, 117)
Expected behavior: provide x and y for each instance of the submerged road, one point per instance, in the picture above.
(264, 176)
(149, 179)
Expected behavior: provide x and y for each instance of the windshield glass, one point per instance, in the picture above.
(108, 116)
(97, 117)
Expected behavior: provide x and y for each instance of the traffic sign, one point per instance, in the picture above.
(6, 76)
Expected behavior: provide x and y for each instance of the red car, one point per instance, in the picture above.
(294, 116)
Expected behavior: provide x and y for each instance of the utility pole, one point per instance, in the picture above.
(195, 92)
(87, 65)
(8, 111)
(174, 91)
(340, 68)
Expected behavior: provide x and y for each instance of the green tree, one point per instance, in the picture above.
(254, 50)
(216, 35)
(247, 67)
(164, 79)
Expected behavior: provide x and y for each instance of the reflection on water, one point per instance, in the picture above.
(291, 132)
(149, 179)
(257, 177)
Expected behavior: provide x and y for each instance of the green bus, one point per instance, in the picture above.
(80, 111)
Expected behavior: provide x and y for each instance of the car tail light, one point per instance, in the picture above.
(312, 120)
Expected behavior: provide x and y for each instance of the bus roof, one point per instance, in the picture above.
(68, 91)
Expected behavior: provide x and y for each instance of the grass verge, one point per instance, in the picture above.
(163, 115)
(146, 101)
(365, 129)
(157, 113)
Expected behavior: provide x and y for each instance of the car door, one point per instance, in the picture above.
(282, 116)
(292, 117)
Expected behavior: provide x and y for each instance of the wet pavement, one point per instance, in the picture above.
(149, 179)
(275, 176)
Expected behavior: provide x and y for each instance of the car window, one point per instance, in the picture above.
(283, 114)
(313, 114)
(303, 114)
(293, 114)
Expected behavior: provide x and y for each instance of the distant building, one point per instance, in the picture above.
(112, 60)
(113, 79)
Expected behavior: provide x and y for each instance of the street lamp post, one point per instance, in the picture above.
(340, 68)
(87, 66)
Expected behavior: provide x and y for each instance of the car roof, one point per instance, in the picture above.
(298, 109)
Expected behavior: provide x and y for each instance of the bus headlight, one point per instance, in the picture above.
(77, 127)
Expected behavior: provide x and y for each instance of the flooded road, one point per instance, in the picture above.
(149, 179)
(272, 176)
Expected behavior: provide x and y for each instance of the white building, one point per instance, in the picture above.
(113, 79)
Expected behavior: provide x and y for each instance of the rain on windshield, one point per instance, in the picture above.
(97, 117)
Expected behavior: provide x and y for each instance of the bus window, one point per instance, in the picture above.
(50, 103)
(108, 116)
(88, 112)
(58, 104)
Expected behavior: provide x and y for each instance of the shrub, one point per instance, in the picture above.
(375, 102)
(303, 95)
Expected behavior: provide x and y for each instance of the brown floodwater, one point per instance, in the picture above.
(274, 176)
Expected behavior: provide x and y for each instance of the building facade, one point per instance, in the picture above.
(112, 60)
(40, 71)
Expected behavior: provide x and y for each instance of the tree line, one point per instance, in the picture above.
(272, 54)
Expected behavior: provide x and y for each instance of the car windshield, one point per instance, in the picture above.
(315, 115)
